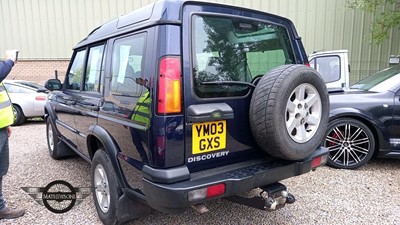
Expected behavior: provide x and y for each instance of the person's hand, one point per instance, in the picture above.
(12, 54)
(9, 131)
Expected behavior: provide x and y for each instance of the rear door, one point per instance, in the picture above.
(228, 51)
(333, 67)
(395, 127)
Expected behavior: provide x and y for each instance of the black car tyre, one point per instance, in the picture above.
(18, 115)
(106, 191)
(289, 111)
(52, 140)
(350, 142)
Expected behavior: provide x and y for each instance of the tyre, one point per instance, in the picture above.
(18, 115)
(350, 142)
(289, 112)
(52, 140)
(106, 191)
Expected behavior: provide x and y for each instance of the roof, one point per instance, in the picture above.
(160, 12)
(164, 11)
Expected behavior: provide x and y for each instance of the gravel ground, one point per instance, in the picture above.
(328, 196)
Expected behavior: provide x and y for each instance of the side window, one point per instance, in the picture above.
(94, 68)
(75, 73)
(328, 67)
(127, 65)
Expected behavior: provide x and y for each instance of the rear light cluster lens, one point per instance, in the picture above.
(169, 85)
(40, 98)
(206, 193)
(319, 161)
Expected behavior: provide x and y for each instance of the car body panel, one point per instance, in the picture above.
(26, 97)
(379, 110)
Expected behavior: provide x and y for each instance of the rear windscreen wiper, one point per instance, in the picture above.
(229, 83)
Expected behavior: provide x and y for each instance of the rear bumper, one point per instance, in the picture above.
(243, 177)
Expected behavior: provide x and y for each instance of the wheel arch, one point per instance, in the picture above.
(99, 138)
(49, 113)
(18, 105)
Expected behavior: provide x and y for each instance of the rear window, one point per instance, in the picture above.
(11, 88)
(229, 52)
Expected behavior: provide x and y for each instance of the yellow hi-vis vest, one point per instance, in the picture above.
(141, 112)
(6, 110)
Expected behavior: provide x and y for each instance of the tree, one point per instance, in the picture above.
(386, 16)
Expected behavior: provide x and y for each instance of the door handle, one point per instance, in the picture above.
(71, 102)
(93, 107)
(209, 112)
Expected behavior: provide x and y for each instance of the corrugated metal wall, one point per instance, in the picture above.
(48, 29)
(330, 25)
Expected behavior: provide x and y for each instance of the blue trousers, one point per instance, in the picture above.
(4, 162)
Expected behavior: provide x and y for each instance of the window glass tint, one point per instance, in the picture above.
(127, 65)
(381, 81)
(76, 71)
(94, 69)
(228, 51)
(31, 84)
(16, 89)
(328, 67)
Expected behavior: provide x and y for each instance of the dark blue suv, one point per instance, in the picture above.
(182, 102)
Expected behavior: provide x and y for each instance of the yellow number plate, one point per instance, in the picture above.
(208, 137)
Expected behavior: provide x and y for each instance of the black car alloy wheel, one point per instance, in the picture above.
(350, 142)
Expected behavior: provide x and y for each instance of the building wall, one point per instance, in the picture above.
(48, 29)
(38, 71)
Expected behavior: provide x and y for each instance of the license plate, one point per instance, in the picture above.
(208, 137)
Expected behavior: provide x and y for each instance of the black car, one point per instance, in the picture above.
(365, 121)
(183, 102)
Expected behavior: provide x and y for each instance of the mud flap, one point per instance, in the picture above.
(129, 209)
(63, 150)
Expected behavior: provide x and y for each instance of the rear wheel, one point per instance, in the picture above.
(18, 115)
(106, 191)
(289, 111)
(350, 142)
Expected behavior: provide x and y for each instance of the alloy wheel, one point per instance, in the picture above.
(348, 144)
(50, 137)
(303, 113)
(102, 188)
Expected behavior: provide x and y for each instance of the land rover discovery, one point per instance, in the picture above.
(183, 102)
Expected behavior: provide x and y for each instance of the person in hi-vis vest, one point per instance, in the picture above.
(141, 116)
(6, 120)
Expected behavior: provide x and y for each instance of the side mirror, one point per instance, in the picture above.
(53, 84)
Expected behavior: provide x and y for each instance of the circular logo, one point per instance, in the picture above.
(59, 196)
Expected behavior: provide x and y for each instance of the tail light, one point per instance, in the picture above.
(40, 98)
(206, 193)
(319, 161)
(307, 63)
(169, 85)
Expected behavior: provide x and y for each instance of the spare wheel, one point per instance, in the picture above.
(289, 111)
